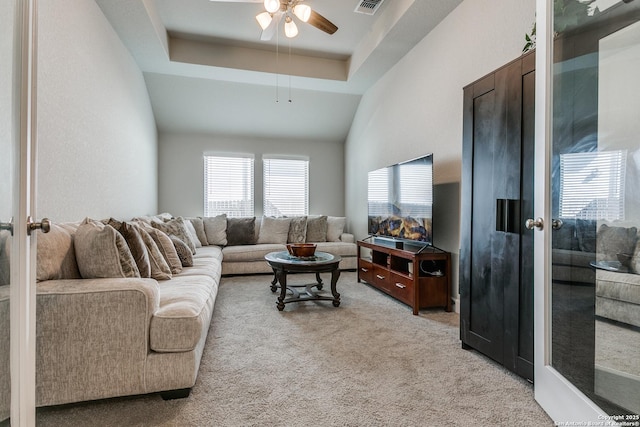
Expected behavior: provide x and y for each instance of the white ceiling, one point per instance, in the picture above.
(208, 72)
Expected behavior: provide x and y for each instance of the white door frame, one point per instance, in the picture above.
(23, 294)
(557, 396)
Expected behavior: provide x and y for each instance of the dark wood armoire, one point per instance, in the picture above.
(496, 254)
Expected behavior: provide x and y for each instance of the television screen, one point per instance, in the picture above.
(400, 200)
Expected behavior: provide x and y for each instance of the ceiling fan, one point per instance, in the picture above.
(276, 10)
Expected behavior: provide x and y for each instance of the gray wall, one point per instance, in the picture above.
(97, 144)
(181, 170)
(416, 108)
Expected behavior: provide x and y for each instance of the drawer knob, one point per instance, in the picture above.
(380, 277)
(364, 269)
(401, 286)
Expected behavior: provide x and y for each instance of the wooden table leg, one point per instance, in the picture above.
(335, 274)
(282, 279)
(319, 282)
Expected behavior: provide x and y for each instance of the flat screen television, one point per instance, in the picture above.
(400, 201)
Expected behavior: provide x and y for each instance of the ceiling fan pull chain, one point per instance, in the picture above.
(289, 70)
(277, 65)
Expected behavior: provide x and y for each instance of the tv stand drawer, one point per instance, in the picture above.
(401, 287)
(365, 271)
(380, 277)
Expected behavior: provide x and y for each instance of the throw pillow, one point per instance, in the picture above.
(176, 227)
(198, 225)
(297, 230)
(316, 228)
(136, 246)
(611, 241)
(192, 233)
(56, 258)
(160, 270)
(183, 251)
(241, 231)
(168, 251)
(274, 230)
(335, 227)
(102, 252)
(215, 228)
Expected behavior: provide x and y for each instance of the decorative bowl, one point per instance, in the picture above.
(301, 250)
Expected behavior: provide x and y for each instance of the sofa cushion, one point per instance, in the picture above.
(337, 248)
(160, 270)
(611, 241)
(316, 228)
(198, 226)
(56, 258)
(167, 249)
(136, 246)
(185, 255)
(241, 231)
(102, 252)
(215, 228)
(176, 227)
(335, 227)
(192, 234)
(274, 230)
(185, 305)
(250, 252)
(297, 230)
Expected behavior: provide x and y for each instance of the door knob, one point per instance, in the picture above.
(534, 223)
(44, 225)
(557, 224)
(7, 226)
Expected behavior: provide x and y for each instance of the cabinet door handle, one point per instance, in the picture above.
(380, 277)
(364, 269)
(401, 286)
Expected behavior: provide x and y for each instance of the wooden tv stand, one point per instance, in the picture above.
(421, 280)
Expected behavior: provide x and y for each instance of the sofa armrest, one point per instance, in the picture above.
(92, 338)
(347, 238)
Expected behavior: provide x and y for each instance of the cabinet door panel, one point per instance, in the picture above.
(484, 322)
(495, 261)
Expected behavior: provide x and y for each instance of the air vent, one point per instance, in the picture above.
(368, 7)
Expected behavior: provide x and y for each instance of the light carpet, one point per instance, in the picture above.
(369, 362)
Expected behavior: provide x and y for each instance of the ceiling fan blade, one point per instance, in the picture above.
(321, 23)
(267, 33)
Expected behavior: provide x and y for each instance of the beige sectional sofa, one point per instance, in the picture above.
(249, 258)
(110, 325)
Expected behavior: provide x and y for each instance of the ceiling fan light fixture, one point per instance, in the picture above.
(272, 6)
(264, 19)
(303, 12)
(290, 27)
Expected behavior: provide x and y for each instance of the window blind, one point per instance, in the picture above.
(592, 185)
(228, 186)
(286, 187)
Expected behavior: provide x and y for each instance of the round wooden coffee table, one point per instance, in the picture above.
(322, 262)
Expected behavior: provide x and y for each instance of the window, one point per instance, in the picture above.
(592, 185)
(286, 187)
(228, 186)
